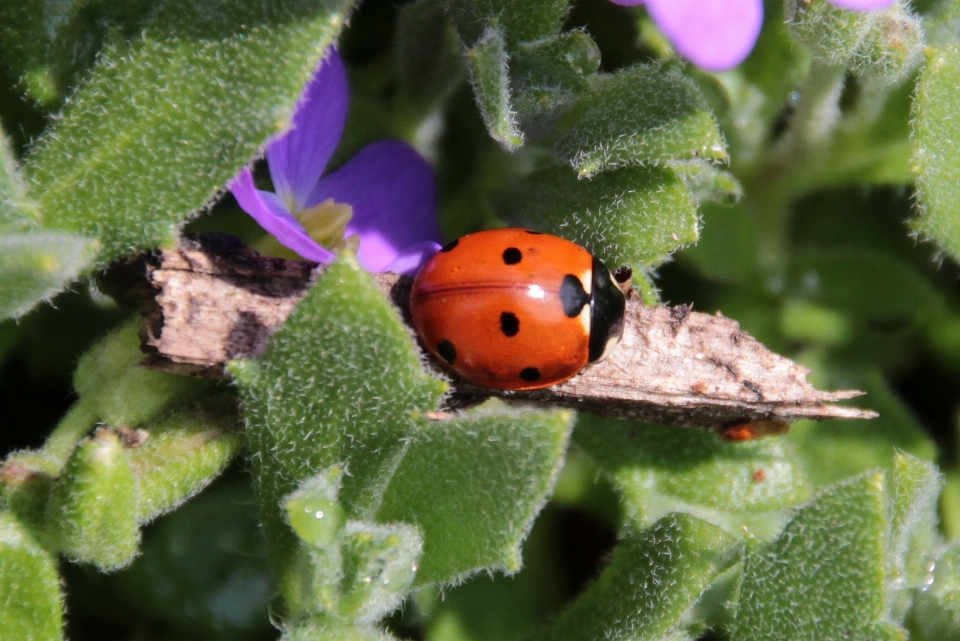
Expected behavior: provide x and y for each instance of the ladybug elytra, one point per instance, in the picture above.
(516, 309)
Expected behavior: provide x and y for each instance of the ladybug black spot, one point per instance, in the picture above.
(450, 246)
(509, 324)
(447, 351)
(533, 233)
(573, 296)
(511, 255)
(530, 374)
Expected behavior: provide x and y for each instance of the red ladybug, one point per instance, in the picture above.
(516, 309)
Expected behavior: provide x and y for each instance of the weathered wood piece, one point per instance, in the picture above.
(672, 365)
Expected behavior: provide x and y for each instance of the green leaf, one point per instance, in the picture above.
(30, 600)
(726, 249)
(379, 564)
(496, 471)
(50, 45)
(91, 514)
(322, 629)
(352, 570)
(935, 615)
(16, 208)
(645, 114)
(185, 450)
(936, 128)
(503, 608)
(490, 75)
(653, 579)
(165, 120)
(336, 386)
(914, 538)
(707, 182)
(548, 75)
(836, 450)
(27, 30)
(203, 571)
(893, 46)
(868, 285)
(428, 54)
(519, 22)
(660, 469)
(35, 266)
(109, 378)
(631, 216)
(824, 576)
(313, 510)
(316, 516)
(885, 44)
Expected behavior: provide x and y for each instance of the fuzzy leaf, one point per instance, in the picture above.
(164, 121)
(935, 615)
(91, 514)
(653, 579)
(36, 265)
(322, 629)
(313, 510)
(185, 450)
(16, 208)
(30, 601)
(379, 564)
(631, 216)
(659, 469)
(936, 128)
(824, 576)
(316, 516)
(336, 386)
(886, 44)
(490, 75)
(519, 22)
(646, 114)
(496, 471)
(109, 378)
(915, 539)
(548, 75)
(353, 570)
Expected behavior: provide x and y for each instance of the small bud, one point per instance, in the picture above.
(91, 514)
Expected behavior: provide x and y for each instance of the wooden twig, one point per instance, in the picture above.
(673, 365)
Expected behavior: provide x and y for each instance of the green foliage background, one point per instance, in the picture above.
(811, 194)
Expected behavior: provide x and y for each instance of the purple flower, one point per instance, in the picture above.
(717, 35)
(382, 202)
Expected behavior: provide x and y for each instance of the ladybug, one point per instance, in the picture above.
(516, 309)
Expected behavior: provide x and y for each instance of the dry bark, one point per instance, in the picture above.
(673, 365)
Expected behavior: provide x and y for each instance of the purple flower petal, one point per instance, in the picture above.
(715, 35)
(412, 258)
(298, 157)
(393, 194)
(271, 213)
(862, 5)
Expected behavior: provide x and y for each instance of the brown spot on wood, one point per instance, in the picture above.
(679, 314)
(755, 388)
(726, 365)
